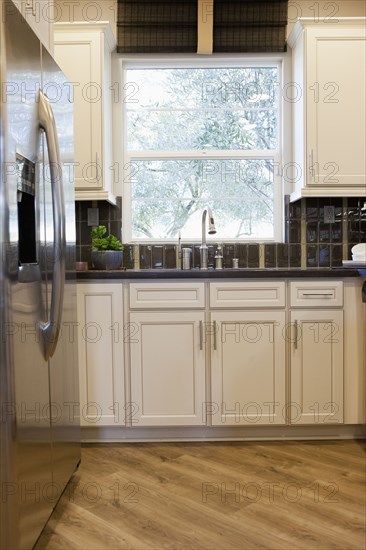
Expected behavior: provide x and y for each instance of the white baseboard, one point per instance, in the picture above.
(117, 434)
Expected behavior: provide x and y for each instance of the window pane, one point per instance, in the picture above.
(222, 111)
(169, 196)
(198, 109)
(234, 219)
(202, 179)
(201, 88)
(202, 130)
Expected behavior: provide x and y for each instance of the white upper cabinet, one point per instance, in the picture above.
(83, 51)
(329, 102)
(39, 14)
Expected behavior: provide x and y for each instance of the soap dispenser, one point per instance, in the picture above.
(218, 257)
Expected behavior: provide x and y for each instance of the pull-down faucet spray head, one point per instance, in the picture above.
(211, 223)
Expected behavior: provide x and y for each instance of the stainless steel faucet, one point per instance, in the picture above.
(211, 231)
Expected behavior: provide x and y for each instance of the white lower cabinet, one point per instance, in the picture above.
(101, 372)
(316, 367)
(222, 363)
(167, 368)
(248, 372)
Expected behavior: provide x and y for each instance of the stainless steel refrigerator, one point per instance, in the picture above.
(39, 414)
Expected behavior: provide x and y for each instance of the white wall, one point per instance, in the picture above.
(87, 10)
(324, 10)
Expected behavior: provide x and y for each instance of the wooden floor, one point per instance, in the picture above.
(265, 495)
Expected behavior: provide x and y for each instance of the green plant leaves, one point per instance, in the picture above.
(102, 242)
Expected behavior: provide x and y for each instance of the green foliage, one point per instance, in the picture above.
(102, 242)
(231, 109)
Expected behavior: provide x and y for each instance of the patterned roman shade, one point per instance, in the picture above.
(157, 26)
(167, 26)
(250, 26)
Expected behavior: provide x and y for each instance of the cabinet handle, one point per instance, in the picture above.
(97, 173)
(201, 335)
(311, 164)
(296, 333)
(330, 294)
(215, 341)
(34, 8)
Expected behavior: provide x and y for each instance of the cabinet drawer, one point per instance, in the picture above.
(251, 294)
(160, 295)
(316, 294)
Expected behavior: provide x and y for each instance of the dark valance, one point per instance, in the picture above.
(157, 26)
(166, 26)
(246, 26)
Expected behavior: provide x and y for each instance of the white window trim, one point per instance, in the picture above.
(283, 62)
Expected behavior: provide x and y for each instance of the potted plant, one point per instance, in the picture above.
(107, 250)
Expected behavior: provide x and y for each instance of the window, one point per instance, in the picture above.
(198, 136)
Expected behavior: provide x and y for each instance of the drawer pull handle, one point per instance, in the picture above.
(201, 335)
(329, 294)
(296, 334)
(215, 341)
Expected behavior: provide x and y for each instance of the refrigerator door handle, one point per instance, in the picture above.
(50, 330)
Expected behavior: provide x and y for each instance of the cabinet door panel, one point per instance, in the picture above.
(101, 354)
(80, 59)
(248, 368)
(317, 367)
(167, 295)
(83, 51)
(337, 108)
(167, 369)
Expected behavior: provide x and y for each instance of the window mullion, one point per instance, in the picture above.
(187, 155)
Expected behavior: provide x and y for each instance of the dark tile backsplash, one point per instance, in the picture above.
(109, 215)
(146, 256)
(294, 255)
(170, 256)
(305, 230)
(270, 255)
(128, 256)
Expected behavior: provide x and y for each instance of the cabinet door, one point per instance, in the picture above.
(316, 367)
(80, 58)
(100, 333)
(336, 107)
(248, 368)
(167, 368)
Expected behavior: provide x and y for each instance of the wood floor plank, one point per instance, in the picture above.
(251, 495)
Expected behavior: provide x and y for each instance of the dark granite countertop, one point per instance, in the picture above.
(265, 273)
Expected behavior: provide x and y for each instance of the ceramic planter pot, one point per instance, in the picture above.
(107, 259)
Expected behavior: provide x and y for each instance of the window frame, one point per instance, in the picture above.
(281, 156)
